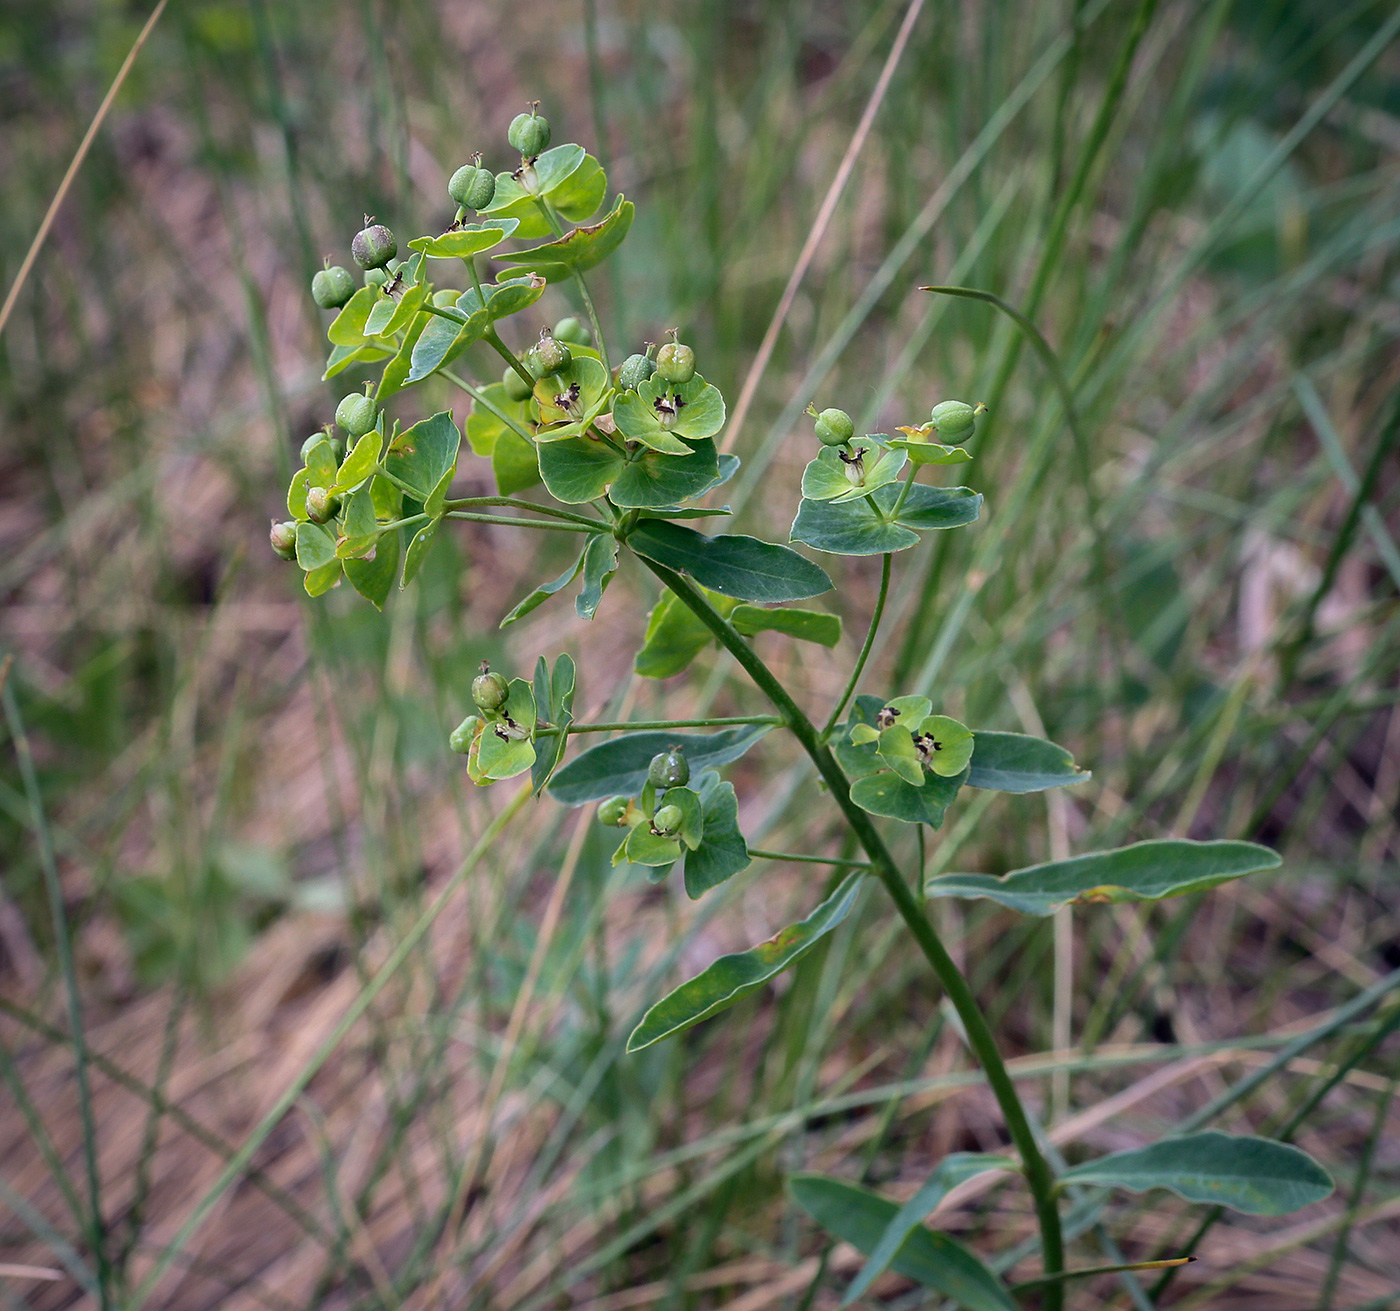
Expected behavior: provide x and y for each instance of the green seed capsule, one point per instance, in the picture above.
(635, 370)
(460, 739)
(529, 133)
(552, 354)
(834, 428)
(489, 690)
(283, 537)
(669, 769)
(312, 442)
(373, 246)
(516, 387)
(667, 821)
(572, 331)
(955, 420)
(472, 186)
(675, 362)
(332, 287)
(321, 506)
(613, 812)
(356, 413)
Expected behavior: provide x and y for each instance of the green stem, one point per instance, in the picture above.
(1039, 1176)
(480, 398)
(493, 339)
(809, 860)
(543, 525)
(904, 490)
(553, 220)
(476, 279)
(470, 502)
(661, 725)
(865, 650)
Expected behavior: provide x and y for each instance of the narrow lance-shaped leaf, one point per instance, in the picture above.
(733, 977)
(934, 1260)
(805, 625)
(1145, 871)
(1254, 1175)
(949, 1172)
(599, 566)
(1012, 762)
(741, 567)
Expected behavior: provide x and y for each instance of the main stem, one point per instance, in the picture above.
(1039, 1177)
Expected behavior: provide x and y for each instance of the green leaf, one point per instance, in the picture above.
(828, 476)
(619, 768)
(643, 847)
(544, 591)
(315, 545)
(741, 567)
(418, 551)
(889, 795)
(578, 469)
(556, 695)
(925, 452)
(570, 400)
(654, 481)
(296, 494)
(599, 565)
(805, 625)
(501, 752)
(950, 1171)
(731, 978)
(552, 170)
(855, 527)
(896, 748)
(1145, 871)
(373, 577)
(439, 342)
(578, 250)
(422, 455)
(391, 316)
(484, 422)
(1012, 762)
(444, 339)
(578, 195)
(931, 1259)
(687, 801)
(1255, 1175)
(348, 327)
(320, 580)
(674, 636)
(722, 852)
(659, 412)
(321, 467)
(514, 463)
(359, 525)
(361, 461)
(468, 240)
(395, 376)
(952, 744)
(342, 357)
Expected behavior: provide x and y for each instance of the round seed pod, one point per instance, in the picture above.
(472, 186)
(834, 428)
(552, 354)
(675, 362)
(460, 739)
(954, 420)
(668, 820)
(315, 439)
(373, 246)
(613, 812)
(635, 370)
(356, 413)
(283, 537)
(529, 133)
(321, 506)
(332, 287)
(571, 330)
(490, 690)
(669, 769)
(516, 388)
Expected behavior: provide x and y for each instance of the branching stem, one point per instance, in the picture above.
(865, 650)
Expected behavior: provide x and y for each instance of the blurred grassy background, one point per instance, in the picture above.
(246, 801)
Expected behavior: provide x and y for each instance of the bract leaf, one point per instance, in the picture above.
(315, 545)
(653, 481)
(373, 577)
(885, 793)
(1145, 871)
(348, 327)
(320, 580)
(417, 551)
(395, 375)
(578, 469)
(731, 978)
(950, 744)
(578, 250)
(556, 693)
(360, 463)
(934, 1260)
(896, 748)
(950, 1171)
(599, 566)
(422, 455)
(506, 746)
(805, 625)
(1255, 1175)
(674, 636)
(579, 193)
(741, 567)
(722, 852)
(514, 463)
(856, 528)
(1013, 762)
(619, 768)
(468, 240)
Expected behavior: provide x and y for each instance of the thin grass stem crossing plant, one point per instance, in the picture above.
(625, 456)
